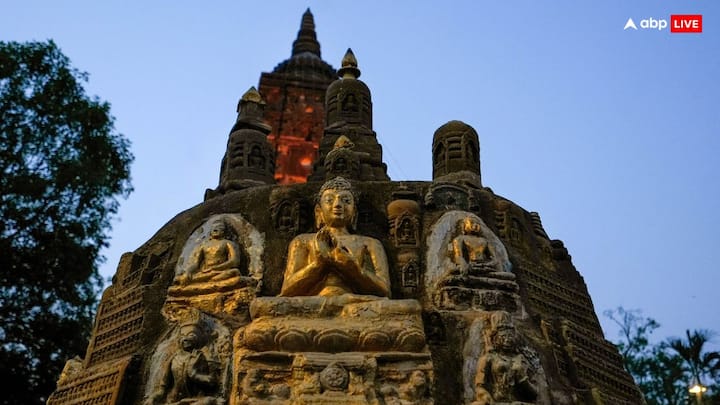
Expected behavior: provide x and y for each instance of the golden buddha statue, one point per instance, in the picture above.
(334, 261)
(471, 251)
(213, 266)
(216, 259)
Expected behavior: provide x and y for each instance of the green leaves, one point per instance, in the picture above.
(62, 168)
(666, 370)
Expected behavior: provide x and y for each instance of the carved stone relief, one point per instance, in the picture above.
(100, 384)
(342, 160)
(468, 266)
(191, 365)
(448, 196)
(220, 268)
(501, 369)
(288, 211)
(404, 217)
(510, 222)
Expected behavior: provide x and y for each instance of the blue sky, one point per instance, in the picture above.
(612, 136)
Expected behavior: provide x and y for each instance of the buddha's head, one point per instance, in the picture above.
(471, 226)
(336, 205)
(218, 230)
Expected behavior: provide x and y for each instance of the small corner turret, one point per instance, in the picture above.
(456, 154)
(249, 160)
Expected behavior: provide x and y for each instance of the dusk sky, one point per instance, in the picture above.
(612, 135)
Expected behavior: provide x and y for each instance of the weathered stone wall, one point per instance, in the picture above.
(555, 316)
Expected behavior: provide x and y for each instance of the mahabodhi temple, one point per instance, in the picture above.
(307, 276)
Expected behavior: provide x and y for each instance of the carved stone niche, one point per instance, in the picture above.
(220, 268)
(448, 196)
(510, 220)
(191, 365)
(409, 264)
(404, 224)
(288, 211)
(468, 266)
(342, 160)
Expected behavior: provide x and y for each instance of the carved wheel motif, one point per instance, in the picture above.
(334, 377)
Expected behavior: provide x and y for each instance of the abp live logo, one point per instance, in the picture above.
(679, 23)
(686, 23)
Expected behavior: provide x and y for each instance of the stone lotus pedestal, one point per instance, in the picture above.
(228, 301)
(490, 291)
(349, 349)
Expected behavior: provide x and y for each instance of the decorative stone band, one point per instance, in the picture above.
(334, 324)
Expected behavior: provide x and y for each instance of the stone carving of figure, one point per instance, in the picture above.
(188, 378)
(471, 251)
(414, 390)
(256, 159)
(503, 371)
(214, 260)
(334, 261)
(350, 103)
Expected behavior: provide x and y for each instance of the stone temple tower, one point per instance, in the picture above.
(295, 95)
(349, 288)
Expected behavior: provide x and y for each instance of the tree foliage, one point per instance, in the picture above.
(702, 366)
(665, 371)
(62, 168)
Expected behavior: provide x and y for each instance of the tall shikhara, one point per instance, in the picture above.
(348, 288)
(295, 96)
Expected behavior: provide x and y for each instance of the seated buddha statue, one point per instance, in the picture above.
(470, 251)
(334, 261)
(475, 269)
(335, 291)
(213, 266)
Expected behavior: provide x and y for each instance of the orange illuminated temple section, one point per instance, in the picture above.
(295, 95)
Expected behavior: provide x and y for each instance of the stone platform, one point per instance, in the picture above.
(349, 349)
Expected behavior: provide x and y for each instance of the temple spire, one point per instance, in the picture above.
(307, 39)
(349, 66)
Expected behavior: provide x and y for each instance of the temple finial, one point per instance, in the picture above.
(251, 106)
(307, 38)
(253, 96)
(349, 66)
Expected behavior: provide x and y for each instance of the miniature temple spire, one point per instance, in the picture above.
(251, 108)
(349, 66)
(249, 160)
(348, 120)
(307, 38)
